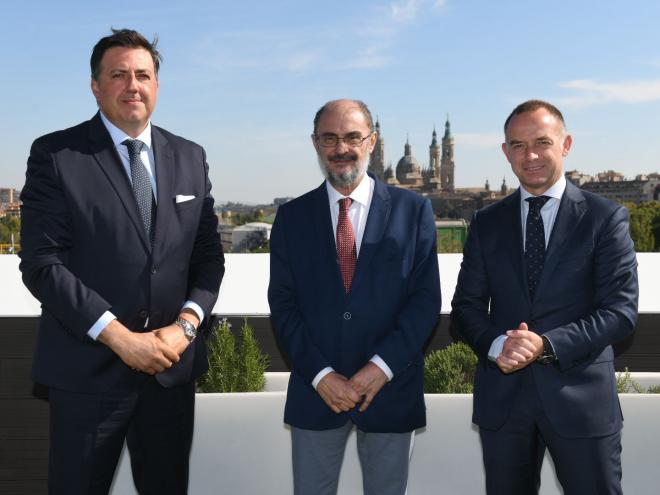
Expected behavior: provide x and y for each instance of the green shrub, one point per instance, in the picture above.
(625, 383)
(653, 389)
(450, 370)
(234, 366)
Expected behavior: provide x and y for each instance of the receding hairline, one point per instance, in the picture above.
(530, 106)
(358, 105)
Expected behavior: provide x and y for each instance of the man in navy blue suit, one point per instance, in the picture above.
(120, 247)
(548, 282)
(354, 294)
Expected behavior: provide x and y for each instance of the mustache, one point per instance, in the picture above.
(342, 156)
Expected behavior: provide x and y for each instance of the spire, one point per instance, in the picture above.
(407, 151)
(377, 125)
(434, 140)
(447, 128)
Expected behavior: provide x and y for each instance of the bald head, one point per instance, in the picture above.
(342, 106)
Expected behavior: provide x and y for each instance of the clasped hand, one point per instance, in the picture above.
(149, 352)
(520, 349)
(342, 394)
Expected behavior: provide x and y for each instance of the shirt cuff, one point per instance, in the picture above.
(319, 376)
(496, 347)
(100, 325)
(196, 308)
(378, 361)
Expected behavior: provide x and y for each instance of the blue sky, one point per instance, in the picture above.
(244, 79)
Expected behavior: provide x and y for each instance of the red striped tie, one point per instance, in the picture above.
(346, 250)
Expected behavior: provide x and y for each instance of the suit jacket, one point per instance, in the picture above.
(85, 251)
(391, 309)
(586, 300)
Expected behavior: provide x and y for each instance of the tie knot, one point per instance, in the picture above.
(536, 203)
(134, 146)
(345, 203)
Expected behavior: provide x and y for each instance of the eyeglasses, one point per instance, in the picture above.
(352, 139)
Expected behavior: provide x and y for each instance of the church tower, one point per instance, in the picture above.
(377, 159)
(504, 190)
(434, 155)
(447, 161)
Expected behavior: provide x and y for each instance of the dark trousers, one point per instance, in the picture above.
(513, 455)
(87, 433)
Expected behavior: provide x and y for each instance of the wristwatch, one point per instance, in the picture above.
(188, 328)
(548, 355)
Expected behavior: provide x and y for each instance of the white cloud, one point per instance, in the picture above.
(403, 11)
(591, 92)
(289, 48)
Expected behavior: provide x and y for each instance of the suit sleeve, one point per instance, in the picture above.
(421, 308)
(46, 243)
(470, 305)
(288, 323)
(615, 296)
(207, 262)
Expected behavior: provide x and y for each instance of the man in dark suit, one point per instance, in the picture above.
(354, 294)
(548, 282)
(120, 247)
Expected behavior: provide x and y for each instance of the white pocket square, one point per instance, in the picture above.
(182, 198)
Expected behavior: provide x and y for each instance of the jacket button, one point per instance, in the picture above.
(347, 316)
(143, 313)
(154, 269)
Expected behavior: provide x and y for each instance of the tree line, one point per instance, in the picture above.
(645, 225)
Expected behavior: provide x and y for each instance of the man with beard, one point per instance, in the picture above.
(354, 294)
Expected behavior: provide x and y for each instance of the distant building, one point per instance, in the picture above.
(409, 173)
(8, 195)
(244, 238)
(10, 209)
(613, 185)
(578, 178)
(634, 191)
(610, 176)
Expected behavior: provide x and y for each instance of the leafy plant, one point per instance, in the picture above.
(234, 366)
(450, 370)
(653, 389)
(625, 383)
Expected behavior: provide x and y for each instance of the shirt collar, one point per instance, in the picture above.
(359, 194)
(118, 136)
(555, 191)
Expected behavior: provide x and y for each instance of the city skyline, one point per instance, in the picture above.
(244, 80)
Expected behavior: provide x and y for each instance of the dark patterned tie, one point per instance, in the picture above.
(534, 242)
(346, 250)
(141, 186)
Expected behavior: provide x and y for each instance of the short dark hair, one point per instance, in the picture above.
(532, 105)
(358, 103)
(128, 38)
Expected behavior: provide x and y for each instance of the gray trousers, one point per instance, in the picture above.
(318, 455)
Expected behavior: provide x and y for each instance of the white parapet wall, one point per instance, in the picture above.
(241, 446)
(243, 289)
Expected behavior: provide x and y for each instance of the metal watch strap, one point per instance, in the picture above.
(188, 328)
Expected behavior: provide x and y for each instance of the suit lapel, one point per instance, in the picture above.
(165, 173)
(571, 210)
(325, 234)
(379, 213)
(106, 155)
(514, 241)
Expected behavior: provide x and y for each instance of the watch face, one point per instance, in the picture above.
(546, 359)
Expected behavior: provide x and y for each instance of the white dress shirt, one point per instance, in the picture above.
(548, 214)
(357, 214)
(147, 156)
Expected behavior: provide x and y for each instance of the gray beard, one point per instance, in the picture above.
(346, 179)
